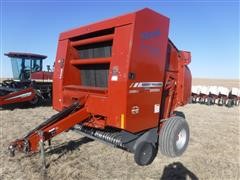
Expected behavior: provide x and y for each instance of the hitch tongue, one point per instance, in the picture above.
(11, 150)
(19, 145)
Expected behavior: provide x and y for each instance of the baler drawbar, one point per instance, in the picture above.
(119, 81)
(47, 130)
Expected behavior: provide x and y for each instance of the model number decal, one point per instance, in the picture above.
(146, 37)
(146, 84)
(150, 35)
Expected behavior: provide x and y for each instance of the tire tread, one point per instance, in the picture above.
(166, 135)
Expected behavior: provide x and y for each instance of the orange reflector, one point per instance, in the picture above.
(122, 121)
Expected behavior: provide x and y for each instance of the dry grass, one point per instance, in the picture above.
(213, 152)
(229, 83)
(2, 79)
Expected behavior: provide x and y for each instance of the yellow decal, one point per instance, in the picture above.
(122, 121)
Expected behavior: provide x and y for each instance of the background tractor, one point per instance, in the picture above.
(30, 83)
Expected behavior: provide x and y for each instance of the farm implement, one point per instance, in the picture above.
(219, 95)
(119, 81)
(30, 83)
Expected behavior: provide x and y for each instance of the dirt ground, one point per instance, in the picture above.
(229, 83)
(213, 151)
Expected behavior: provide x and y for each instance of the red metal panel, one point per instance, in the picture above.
(148, 59)
(92, 40)
(42, 75)
(79, 93)
(58, 74)
(106, 24)
(18, 96)
(90, 61)
(118, 75)
(98, 105)
(184, 78)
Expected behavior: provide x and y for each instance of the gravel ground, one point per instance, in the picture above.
(213, 151)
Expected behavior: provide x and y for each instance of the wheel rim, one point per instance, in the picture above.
(181, 139)
(146, 153)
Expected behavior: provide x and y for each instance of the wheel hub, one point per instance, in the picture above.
(181, 139)
(147, 153)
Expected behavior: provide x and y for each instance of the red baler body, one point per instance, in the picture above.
(122, 73)
(139, 48)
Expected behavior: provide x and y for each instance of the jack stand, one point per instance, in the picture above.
(42, 156)
(43, 160)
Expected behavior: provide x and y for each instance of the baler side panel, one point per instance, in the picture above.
(176, 66)
(109, 23)
(184, 82)
(118, 75)
(148, 64)
(187, 85)
(169, 99)
(71, 73)
(58, 74)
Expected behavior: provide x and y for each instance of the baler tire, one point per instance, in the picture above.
(170, 143)
(145, 153)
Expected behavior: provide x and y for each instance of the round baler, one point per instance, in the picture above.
(119, 81)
